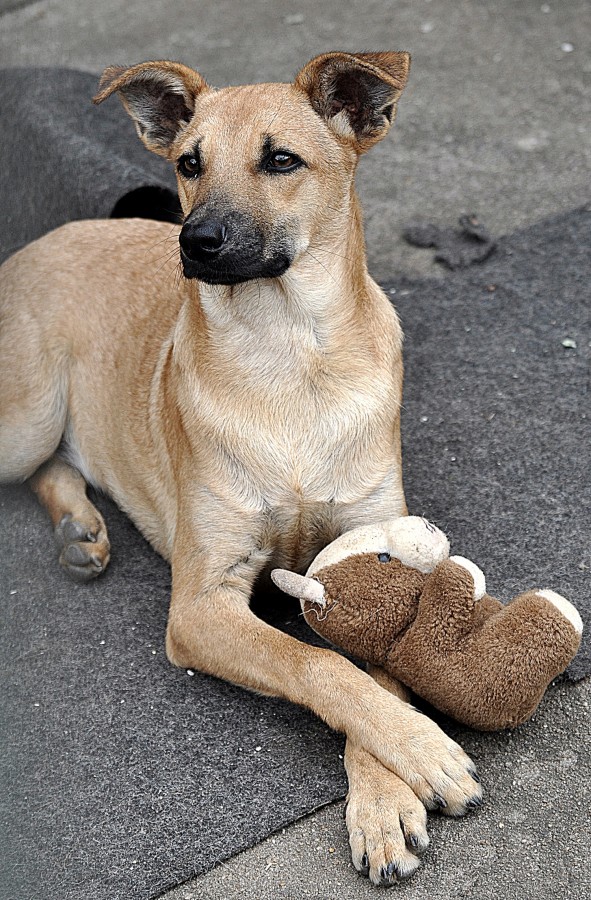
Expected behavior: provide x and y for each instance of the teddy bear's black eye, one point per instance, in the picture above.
(384, 557)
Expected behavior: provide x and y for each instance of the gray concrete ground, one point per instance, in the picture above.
(530, 841)
(496, 121)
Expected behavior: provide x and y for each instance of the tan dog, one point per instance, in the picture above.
(244, 415)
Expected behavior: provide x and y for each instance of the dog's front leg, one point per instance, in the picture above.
(385, 819)
(212, 628)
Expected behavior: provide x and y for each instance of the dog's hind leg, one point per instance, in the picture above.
(33, 374)
(31, 428)
(79, 527)
(34, 385)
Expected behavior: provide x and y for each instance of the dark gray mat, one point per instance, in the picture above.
(121, 776)
(62, 158)
(497, 411)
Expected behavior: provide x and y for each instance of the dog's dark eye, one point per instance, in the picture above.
(189, 165)
(282, 161)
(384, 557)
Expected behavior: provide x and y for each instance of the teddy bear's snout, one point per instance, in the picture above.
(417, 543)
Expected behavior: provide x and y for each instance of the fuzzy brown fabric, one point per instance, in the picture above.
(369, 604)
(485, 664)
(491, 676)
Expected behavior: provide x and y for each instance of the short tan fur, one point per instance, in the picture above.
(243, 407)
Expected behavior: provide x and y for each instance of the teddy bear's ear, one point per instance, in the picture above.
(299, 586)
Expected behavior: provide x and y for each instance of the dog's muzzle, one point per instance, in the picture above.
(230, 250)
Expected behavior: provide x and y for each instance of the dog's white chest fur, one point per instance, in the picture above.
(289, 417)
(320, 455)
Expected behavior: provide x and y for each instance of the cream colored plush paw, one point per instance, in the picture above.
(565, 607)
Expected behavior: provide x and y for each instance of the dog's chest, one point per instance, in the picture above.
(327, 442)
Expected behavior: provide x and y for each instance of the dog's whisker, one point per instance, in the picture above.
(171, 236)
(178, 275)
(329, 273)
(332, 253)
(166, 259)
(168, 254)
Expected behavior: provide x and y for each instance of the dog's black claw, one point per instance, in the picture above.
(417, 844)
(474, 775)
(474, 803)
(365, 864)
(439, 801)
(389, 874)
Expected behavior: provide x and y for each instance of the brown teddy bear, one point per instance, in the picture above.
(391, 594)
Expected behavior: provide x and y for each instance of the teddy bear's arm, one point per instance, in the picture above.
(448, 600)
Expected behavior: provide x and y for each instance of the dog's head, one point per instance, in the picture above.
(264, 171)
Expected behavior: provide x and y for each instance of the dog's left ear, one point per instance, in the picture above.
(159, 97)
(356, 93)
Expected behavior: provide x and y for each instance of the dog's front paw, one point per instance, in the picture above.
(386, 821)
(408, 743)
(440, 773)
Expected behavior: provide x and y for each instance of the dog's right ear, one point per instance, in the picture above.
(159, 97)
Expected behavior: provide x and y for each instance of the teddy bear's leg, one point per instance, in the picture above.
(387, 823)
(533, 639)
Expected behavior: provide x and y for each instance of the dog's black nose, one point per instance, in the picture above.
(204, 239)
